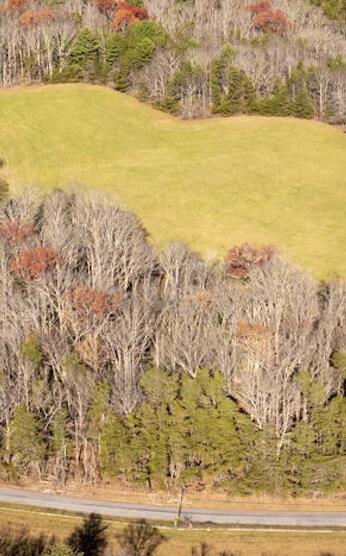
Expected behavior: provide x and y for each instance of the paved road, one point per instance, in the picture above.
(119, 509)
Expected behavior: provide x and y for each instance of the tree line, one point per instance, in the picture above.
(191, 58)
(241, 362)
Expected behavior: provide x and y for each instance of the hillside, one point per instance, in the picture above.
(213, 183)
(190, 57)
(156, 368)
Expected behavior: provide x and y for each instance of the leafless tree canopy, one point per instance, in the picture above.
(85, 297)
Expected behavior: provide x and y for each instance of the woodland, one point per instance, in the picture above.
(189, 57)
(103, 337)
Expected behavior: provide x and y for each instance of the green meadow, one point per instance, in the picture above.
(212, 183)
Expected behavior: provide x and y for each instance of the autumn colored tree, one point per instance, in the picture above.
(260, 7)
(241, 259)
(88, 301)
(16, 231)
(34, 262)
(266, 18)
(32, 18)
(128, 13)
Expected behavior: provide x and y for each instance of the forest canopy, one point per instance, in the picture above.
(241, 362)
(279, 57)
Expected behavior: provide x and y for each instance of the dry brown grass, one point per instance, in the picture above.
(245, 542)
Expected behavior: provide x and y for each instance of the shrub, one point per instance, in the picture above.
(62, 550)
(19, 542)
(140, 539)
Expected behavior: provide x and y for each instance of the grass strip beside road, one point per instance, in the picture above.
(247, 542)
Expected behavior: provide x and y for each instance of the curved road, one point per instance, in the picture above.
(120, 509)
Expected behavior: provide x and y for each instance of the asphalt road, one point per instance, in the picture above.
(120, 509)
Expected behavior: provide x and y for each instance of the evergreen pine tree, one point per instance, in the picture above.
(60, 444)
(85, 53)
(281, 104)
(249, 95)
(235, 90)
(26, 447)
(303, 105)
(116, 454)
(225, 106)
(215, 85)
(114, 47)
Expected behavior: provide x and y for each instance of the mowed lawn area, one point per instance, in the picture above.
(212, 183)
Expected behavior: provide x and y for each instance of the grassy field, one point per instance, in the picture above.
(180, 542)
(212, 183)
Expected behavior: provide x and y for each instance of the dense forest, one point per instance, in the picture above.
(189, 57)
(122, 362)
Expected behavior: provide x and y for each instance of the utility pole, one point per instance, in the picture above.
(177, 519)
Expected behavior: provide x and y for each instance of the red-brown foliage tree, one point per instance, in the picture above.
(268, 19)
(128, 13)
(273, 20)
(32, 263)
(260, 7)
(242, 258)
(90, 302)
(32, 18)
(16, 231)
